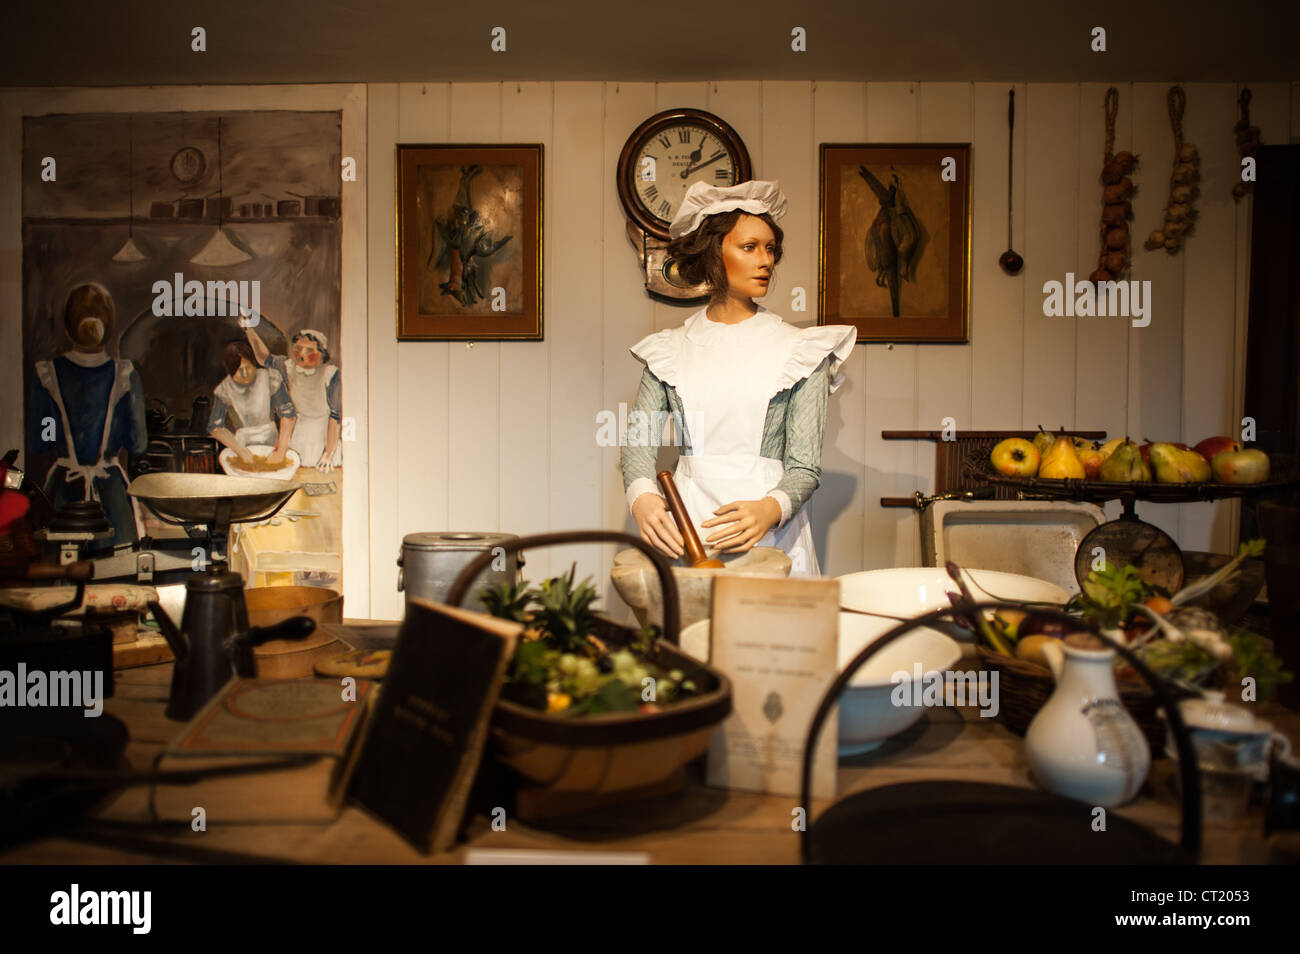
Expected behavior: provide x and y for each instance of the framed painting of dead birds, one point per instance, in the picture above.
(895, 240)
(469, 242)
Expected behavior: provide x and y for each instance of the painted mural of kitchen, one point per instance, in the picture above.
(181, 314)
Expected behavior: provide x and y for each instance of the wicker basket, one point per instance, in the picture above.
(1024, 686)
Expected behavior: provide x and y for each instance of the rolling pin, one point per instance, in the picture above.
(694, 549)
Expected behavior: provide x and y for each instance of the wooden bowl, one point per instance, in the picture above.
(609, 757)
(294, 658)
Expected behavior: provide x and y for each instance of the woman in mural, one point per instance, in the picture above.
(88, 408)
(754, 388)
(316, 388)
(257, 396)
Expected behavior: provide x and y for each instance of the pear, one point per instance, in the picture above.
(1125, 464)
(1061, 462)
(1109, 447)
(1043, 440)
(1173, 465)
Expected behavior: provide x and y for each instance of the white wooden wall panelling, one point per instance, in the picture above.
(1156, 391)
(838, 509)
(627, 313)
(943, 371)
(1209, 326)
(386, 459)
(524, 442)
(1100, 344)
(474, 373)
(575, 320)
(1051, 250)
(997, 300)
(423, 381)
(891, 383)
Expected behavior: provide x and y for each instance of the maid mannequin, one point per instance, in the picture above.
(747, 391)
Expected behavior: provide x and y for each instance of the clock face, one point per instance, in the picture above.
(188, 165)
(672, 160)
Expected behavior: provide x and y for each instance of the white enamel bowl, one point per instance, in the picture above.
(867, 712)
(912, 590)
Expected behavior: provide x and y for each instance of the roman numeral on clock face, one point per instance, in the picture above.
(667, 143)
(664, 209)
(651, 194)
(684, 135)
(722, 174)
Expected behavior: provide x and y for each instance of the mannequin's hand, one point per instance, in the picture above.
(742, 523)
(657, 526)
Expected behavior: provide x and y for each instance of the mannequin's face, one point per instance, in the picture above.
(306, 354)
(244, 373)
(749, 255)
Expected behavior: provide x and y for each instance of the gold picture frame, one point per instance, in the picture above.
(895, 240)
(469, 242)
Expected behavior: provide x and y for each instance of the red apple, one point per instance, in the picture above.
(1212, 446)
(1015, 457)
(1240, 467)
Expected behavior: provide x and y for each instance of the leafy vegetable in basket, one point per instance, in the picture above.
(1185, 644)
(562, 666)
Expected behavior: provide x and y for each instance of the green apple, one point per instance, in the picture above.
(1240, 467)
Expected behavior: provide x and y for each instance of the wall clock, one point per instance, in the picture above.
(665, 156)
(188, 165)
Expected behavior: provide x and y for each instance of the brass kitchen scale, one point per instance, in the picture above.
(1128, 539)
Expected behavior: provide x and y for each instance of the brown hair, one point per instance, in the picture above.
(88, 301)
(234, 355)
(699, 254)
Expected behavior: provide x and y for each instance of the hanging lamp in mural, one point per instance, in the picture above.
(130, 252)
(220, 251)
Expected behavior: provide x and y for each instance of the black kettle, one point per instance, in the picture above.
(214, 641)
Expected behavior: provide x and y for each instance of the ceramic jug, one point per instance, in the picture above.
(1083, 744)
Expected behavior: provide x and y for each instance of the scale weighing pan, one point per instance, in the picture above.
(210, 498)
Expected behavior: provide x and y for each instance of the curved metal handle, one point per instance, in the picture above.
(1191, 783)
(668, 585)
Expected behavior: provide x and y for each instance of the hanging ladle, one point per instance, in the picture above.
(1010, 261)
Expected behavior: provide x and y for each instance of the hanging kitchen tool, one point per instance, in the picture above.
(1010, 260)
(962, 822)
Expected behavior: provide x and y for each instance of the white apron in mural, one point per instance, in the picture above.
(252, 402)
(312, 430)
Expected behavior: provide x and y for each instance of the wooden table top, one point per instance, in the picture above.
(698, 826)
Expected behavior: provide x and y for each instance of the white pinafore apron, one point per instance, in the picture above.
(312, 430)
(252, 403)
(726, 376)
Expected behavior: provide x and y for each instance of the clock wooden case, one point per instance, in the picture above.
(665, 156)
